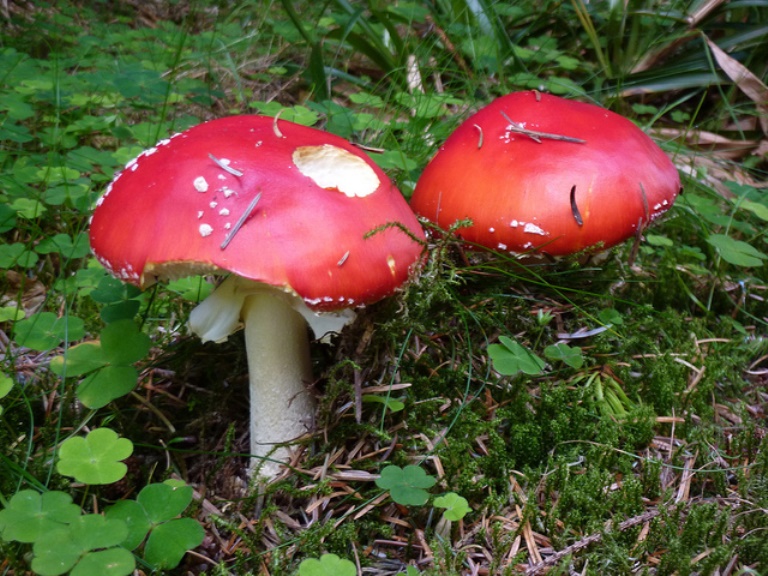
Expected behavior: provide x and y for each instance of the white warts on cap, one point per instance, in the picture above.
(205, 230)
(201, 185)
(335, 168)
(531, 228)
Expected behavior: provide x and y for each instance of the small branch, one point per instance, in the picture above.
(480, 139)
(225, 166)
(537, 136)
(240, 221)
(275, 129)
(575, 208)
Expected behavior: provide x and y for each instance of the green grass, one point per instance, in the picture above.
(638, 449)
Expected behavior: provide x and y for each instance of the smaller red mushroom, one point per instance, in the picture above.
(539, 173)
(299, 217)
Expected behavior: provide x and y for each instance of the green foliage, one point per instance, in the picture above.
(88, 546)
(511, 357)
(407, 486)
(64, 540)
(327, 565)
(6, 385)
(155, 512)
(391, 404)
(737, 252)
(108, 364)
(569, 355)
(456, 507)
(31, 516)
(95, 458)
(45, 331)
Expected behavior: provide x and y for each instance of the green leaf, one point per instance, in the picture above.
(135, 518)
(155, 506)
(108, 362)
(64, 245)
(298, 114)
(28, 208)
(169, 541)
(736, 252)
(17, 254)
(55, 554)
(656, 240)
(456, 507)
(109, 383)
(124, 310)
(111, 562)
(192, 288)
(407, 486)
(164, 501)
(95, 458)
(7, 218)
(610, 316)
(78, 360)
(123, 343)
(30, 515)
(569, 355)
(759, 210)
(44, 331)
(327, 565)
(509, 358)
(11, 313)
(391, 403)
(6, 384)
(110, 290)
(62, 549)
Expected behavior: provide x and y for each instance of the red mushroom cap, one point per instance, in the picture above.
(537, 191)
(310, 203)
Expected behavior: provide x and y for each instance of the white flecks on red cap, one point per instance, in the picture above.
(200, 183)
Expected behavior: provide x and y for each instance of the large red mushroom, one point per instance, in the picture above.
(539, 173)
(299, 217)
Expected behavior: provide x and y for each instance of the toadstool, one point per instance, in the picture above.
(539, 173)
(299, 217)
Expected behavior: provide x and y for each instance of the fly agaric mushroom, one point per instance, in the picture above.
(538, 173)
(297, 216)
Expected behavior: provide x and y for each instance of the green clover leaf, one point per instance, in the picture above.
(509, 358)
(327, 565)
(96, 458)
(169, 541)
(737, 252)
(6, 385)
(407, 486)
(88, 547)
(570, 355)
(108, 363)
(154, 511)
(456, 507)
(45, 330)
(30, 515)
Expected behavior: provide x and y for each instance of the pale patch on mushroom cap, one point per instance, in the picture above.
(335, 168)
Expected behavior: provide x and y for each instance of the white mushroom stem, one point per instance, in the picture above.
(280, 370)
